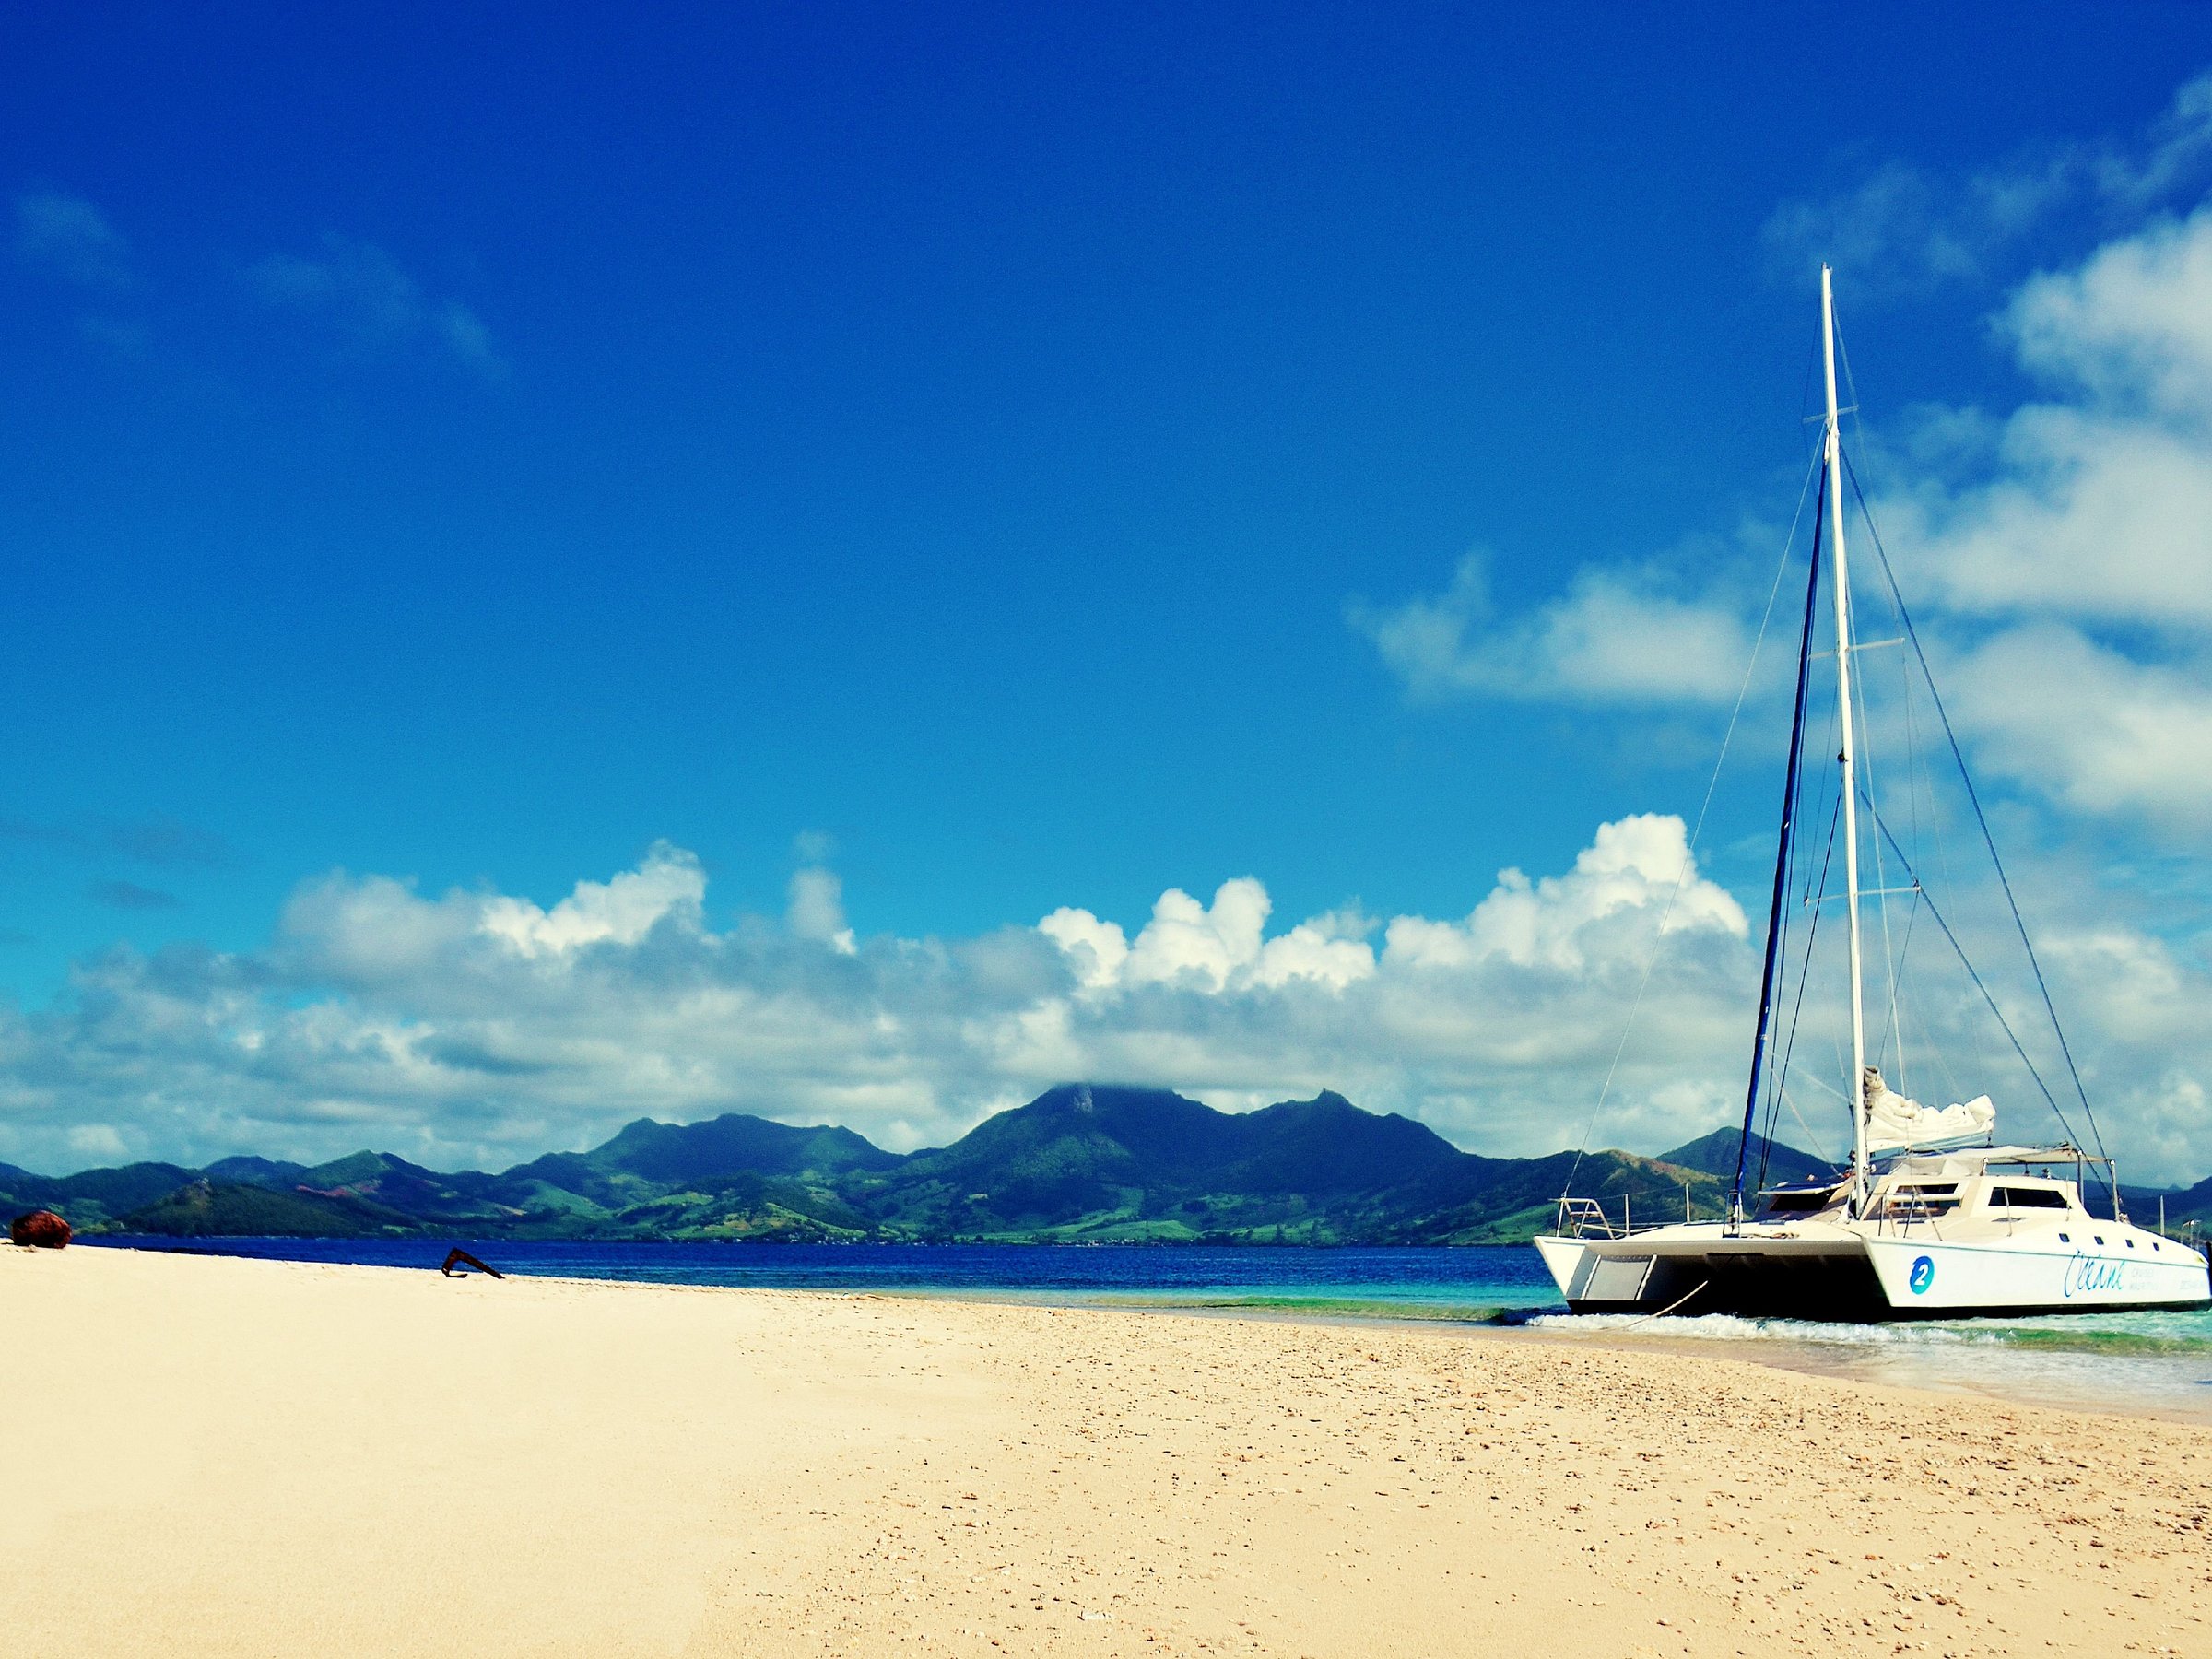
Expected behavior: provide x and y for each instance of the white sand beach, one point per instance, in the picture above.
(218, 1456)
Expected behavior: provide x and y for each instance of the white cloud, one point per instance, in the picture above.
(373, 308)
(1904, 230)
(1613, 636)
(2092, 504)
(1214, 948)
(1639, 864)
(2131, 323)
(669, 884)
(1898, 228)
(817, 907)
(97, 1140)
(2068, 559)
(1095, 951)
(482, 1027)
(71, 237)
(2058, 553)
(2088, 728)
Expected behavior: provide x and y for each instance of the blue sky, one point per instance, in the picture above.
(933, 470)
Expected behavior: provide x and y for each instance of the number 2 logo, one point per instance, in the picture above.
(1923, 1275)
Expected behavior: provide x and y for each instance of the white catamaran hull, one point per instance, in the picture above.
(1839, 1272)
(1921, 1222)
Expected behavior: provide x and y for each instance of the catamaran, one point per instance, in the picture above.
(1930, 1217)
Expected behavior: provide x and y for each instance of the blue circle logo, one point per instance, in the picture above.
(1923, 1275)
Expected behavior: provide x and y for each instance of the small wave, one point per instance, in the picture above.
(1307, 1305)
(2179, 1335)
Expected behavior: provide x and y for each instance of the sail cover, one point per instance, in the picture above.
(1894, 1121)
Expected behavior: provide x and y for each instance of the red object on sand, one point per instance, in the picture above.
(41, 1228)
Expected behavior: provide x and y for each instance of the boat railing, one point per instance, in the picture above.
(1587, 1218)
(1912, 1208)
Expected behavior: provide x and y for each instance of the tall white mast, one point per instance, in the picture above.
(1841, 581)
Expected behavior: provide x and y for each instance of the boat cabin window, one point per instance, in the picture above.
(1927, 1199)
(2026, 1198)
(1802, 1202)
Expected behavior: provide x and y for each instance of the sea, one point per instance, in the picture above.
(2147, 1364)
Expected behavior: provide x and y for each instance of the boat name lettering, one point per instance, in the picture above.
(2086, 1274)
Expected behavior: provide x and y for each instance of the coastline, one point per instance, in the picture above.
(218, 1454)
(2156, 1366)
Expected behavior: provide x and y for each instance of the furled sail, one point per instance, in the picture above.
(1894, 1121)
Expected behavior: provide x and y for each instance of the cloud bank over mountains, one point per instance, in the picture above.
(473, 1025)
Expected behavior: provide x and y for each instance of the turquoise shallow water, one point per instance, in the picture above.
(2147, 1364)
(1450, 1285)
(2152, 1363)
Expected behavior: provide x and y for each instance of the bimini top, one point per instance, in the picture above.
(1976, 1160)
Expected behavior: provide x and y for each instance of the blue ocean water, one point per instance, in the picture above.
(2158, 1364)
(1466, 1286)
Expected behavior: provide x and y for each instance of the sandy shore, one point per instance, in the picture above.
(211, 1457)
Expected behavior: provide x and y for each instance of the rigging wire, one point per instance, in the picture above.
(1881, 881)
(1964, 962)
(1812, 1136)
(1776, 905)
(1981, 820)
(1690, 847)
(1965, 777)
(1805, 970)
(1826, 792)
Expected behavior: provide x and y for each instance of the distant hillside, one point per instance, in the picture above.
(93, 1197)
(1087, 1163)
(1715, 1154)
(209, 1209)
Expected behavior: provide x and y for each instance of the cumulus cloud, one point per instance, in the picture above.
(2092, 501)
(1638, 864)
(623, 911)
(2057, 551)
(2057, 559)
(2085, 726)
(2064, 559)
(816, 910)
(1217, 948)
(372, 307)
(482, 1028)
(1617, 635)
(70, 238)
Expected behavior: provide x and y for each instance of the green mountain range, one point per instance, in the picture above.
(1078, 1164)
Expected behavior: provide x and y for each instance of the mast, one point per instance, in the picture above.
(1847, 758)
